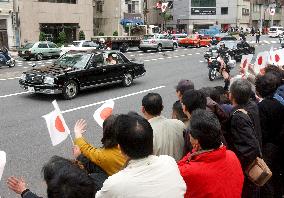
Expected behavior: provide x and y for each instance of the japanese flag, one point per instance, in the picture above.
(279, 57)
(57, 128)
(272, 58)
(261, 62)
(272, 11)
(103, 112)
(244, 66)
(2, 162)
(164, 6)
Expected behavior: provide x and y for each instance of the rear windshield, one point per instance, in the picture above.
(272, 29)
(148, 37)
(29, 45)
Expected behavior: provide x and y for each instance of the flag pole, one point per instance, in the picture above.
(61, 117)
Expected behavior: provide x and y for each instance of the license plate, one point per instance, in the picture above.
(31, 89)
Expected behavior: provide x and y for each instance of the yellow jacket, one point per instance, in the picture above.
(109, 159)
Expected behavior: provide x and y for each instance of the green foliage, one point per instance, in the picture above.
(62, 38)
(115, 33)
(81, 35)
(101, 34)
(42, 36)
(166, 16)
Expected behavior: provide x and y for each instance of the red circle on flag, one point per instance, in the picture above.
(59, 125)
(277, 58)
(106, 112)
(245, 63)
(259, 61)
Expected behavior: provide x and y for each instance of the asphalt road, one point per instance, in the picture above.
(23, 131)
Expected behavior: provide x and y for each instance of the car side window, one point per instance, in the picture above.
(125, 60)
(98, 60)
(52, 45)
(86, 44)
(42, 45)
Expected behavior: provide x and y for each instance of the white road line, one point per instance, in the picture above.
(185, 49)
(176, 56)
(14, 94)
(197, 53)
(262, 44)
(132, 55)
(201, 61)
(140, 54)
(273, 41)
(169, 57)
(25, 67)
(117, 98)
(266, 42)
(154, 59)
(182, 55)
(161, 58)
(189, 54)
(9, 78)
(152, 53)
(147, 60)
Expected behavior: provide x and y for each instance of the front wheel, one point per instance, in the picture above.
(159, 48)
(12, 63)
(174, 47)
(212, 74)
(70, 90)
(39, 57)
(127, 80)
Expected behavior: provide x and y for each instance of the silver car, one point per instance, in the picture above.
(157, 42)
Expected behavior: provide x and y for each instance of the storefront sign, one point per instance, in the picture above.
(203, 11)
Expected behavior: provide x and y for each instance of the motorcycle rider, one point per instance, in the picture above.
(224, 69)
(4, 53)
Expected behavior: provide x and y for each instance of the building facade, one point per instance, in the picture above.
(54, 16)
(191, 15)
(7, 33)
(108, 15)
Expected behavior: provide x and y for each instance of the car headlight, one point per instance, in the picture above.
(23, 77)
(48, 80)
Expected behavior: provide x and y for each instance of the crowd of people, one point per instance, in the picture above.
(204, 150)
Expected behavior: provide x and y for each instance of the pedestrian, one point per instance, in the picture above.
(211, 170)
(168, 133)
(145, 174)
(271, 113)
(191, 100)
(257, 35)
(182, 86)
(177, 113)
(243, 132)
(63, 177)
(109, 157)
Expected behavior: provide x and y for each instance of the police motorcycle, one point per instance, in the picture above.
(6, 59)
(210, 52)
(214, 64)
(281, 38)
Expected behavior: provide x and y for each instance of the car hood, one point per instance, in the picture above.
(52, 69)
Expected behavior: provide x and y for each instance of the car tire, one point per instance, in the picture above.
(159, 48)
(70, 90)
(12, 64)
(144, 50)
(27, 59)
(124, 47)
(127, 80)
(39, 57)
(212, 74)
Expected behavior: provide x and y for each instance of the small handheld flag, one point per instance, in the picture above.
(2, 162)
(103, 112)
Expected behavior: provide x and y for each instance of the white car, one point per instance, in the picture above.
(79, 45)
(275, 31)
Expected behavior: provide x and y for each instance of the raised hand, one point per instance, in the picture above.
(16, 185)
(80, 128)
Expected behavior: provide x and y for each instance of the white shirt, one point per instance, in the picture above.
(150, 177)
(168, 136)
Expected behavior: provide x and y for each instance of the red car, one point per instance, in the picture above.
(195, 41)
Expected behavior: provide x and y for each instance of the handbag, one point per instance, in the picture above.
(258, 172)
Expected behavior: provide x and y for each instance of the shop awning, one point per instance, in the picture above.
(131, 22)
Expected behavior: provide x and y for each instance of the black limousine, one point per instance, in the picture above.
(77, 70)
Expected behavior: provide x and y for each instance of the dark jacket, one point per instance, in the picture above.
(243, 133)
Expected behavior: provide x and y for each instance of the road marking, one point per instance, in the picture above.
(197, 53)
(267, 42)
(25, 67)
(185, 49)
(201, 61)
(117, 98)
(154, 59)
(169, 57)
(182, 55)
(152, 53)
(14, 94)
(262, 44)
(132, 55)
(161, 58)
(189, 54)
(176, 56)
(10, 78)
(273, 41)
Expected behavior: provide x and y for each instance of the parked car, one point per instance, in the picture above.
(275, 31)
(80, 45)
(157, 42)
(77, 70)
(195, 41)
(39, 50)
(228, 38)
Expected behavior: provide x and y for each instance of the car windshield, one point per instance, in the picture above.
(272, 29)
(29, 45)
(146, 37)
(76, 60)
(76, 43)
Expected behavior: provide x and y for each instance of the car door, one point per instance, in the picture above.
(53, 49)
(113, 71)
(43, 49)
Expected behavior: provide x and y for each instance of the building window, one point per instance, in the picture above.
(59, 1)
(245, 11)
(99, 6)
(133, 7)
(203, 3)
(224, 10)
